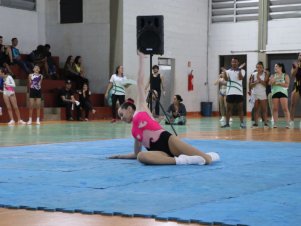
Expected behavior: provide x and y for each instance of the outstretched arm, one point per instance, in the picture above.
(141, 103)
(137, 149)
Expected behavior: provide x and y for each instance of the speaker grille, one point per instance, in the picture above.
(150, 37)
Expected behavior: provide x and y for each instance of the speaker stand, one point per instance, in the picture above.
(151, 93)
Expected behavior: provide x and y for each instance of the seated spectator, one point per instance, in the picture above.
(77, 66)
(51, 65)
(177, 112)
(38, 57)
(71, 74)
(67, 99)
(5, 57)
(85, 103)
(25, 65)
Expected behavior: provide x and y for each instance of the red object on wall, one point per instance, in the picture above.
(190, 81)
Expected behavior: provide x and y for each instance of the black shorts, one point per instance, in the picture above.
(161, 144)
(234, 99)
(278, 95)
(33, 93)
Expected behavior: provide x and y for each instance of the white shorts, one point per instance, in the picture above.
(260, 96)
(8, 93)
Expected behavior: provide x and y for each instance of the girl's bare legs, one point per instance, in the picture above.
(178, 147)
(263, 107)
(256, 111)
(284, 105)
(275, 109)
(38, 106)
(222, 106)
(155, 158)
(270, 100)
(31, 103)
(9, 108)
(294, 100)
(14, 103)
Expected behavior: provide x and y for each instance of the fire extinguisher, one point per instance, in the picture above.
(190, 81)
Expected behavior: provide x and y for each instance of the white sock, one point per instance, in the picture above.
(214, 156)
(38, 119)
(190, 160)
(30, 119)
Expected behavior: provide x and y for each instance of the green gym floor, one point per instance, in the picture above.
(196, 128)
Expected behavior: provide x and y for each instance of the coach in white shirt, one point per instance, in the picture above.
(234, 93)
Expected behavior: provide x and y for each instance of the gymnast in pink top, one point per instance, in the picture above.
(163, 147)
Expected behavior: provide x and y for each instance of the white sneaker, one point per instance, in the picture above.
(29, 122)
(222, 119)
(231, 119)
(214, 156)
(11, 122)
(21, 122)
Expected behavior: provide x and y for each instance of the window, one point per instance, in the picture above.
(234, 10)
(279, 9)
(71, 11)
(20, 4)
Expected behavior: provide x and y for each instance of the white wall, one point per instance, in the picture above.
(22, 24)
(90, 39)
(185, 39)
(284, 35)
(231, 39)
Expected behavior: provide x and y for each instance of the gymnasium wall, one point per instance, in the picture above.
(22, 24)
(185, 39)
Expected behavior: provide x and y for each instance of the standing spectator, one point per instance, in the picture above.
(51, 65)
(35, 82)
(118, 90)
(222, 83)
(156, 82)
(67, 99)
(85, 103)
(9, 97)
(280, 82)
(259, 80)
(269, 94)
(234, 77)
(5, 56)
(295, 96)
(177, 112)
(78, 67)
(25, 66)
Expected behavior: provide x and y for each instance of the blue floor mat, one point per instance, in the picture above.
(256, 183)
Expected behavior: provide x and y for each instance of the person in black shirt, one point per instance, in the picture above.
(84, 99)
(156, 83)
(67, 99)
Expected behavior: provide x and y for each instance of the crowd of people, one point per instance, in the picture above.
(267, 92)
(265, 89)
(38, 65)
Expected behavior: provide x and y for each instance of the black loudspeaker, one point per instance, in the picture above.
(150, 34)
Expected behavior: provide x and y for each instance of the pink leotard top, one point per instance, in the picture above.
(145, 129)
